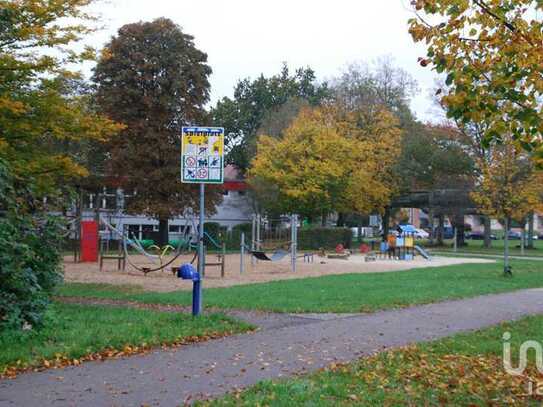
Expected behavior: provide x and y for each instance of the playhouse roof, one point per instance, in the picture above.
(407, 228)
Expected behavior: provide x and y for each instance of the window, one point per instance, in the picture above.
(175, 229)
(134, 231)
(241, 193)
(90, 201)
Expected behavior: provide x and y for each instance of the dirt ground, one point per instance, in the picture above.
(257, 273)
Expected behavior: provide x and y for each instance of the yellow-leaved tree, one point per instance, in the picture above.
(492, 53)
(510, 187)
(327, 162)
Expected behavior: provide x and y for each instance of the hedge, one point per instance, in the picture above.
(328, 238)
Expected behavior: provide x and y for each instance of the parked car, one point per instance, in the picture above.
(479, 236)
(421, 234)
(512, 235)
(448, 232)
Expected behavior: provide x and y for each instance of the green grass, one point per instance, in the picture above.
(343, 293)
(464, 369)
(74, 331)
(476, 246)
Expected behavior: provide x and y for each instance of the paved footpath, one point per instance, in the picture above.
(171, 378)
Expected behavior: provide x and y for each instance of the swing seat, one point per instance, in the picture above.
(279, 255)
(276, 256)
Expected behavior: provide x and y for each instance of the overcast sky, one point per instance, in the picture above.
(245, 38)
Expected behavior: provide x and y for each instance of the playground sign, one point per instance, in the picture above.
(202, 155)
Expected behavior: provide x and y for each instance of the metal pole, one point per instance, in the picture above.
(522, 239)
(223, 260)
(242, 253)
(293, 238)
(258, 239)
(253, 239)
(455, 240)
(506, 248)
(201, 255)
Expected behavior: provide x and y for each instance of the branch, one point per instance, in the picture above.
(507, 24)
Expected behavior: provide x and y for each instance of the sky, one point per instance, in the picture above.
(245, 38)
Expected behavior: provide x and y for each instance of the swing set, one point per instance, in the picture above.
(274, 235)
(186, 244)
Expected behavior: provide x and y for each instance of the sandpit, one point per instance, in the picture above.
(261, 272)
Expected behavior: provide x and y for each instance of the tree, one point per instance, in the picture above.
(243, 115)
(279, 118)
(44, 112)
(325, 163)
(436, 158)
(43, 108)
(509, 189)
(153, 79)
(378, 86)
(491, 53)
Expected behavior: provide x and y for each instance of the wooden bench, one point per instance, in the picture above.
(121, 260)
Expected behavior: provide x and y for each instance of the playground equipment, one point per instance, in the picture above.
(423, 253)
(221, 256)
(185, 244)
(126, 241)
(340, 253)
(105, 254)
(258, 252)
(401, 245)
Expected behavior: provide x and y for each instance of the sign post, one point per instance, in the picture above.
(202, 162)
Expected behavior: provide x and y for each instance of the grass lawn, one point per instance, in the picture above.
(343, 293)
(463, 370)
(476, 246)
(75, 331)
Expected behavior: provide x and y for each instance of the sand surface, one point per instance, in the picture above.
(260, 272)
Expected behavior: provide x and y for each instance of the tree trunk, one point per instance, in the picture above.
(386, 223)
(531, 231)
(431, 224)
(340, 219)
(163, 232)
(97, 206)
(459, 227)
(323, 219)
(487, 232)
(359, 233)
(440, 231)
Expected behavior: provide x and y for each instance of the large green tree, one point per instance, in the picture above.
(44, 110)
(153, 79)
(44, 114)
(254, 101)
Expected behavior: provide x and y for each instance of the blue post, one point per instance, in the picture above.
(188, 272)
(196, 297)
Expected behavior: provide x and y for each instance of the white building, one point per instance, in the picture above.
(235, 209)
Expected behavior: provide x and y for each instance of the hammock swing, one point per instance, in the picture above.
(185, 242)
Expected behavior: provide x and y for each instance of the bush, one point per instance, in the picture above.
(30, 257)
(214, 229)
(328, 238)
(30, 268)
(243, 227)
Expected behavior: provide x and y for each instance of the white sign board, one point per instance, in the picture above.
(202, 155)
